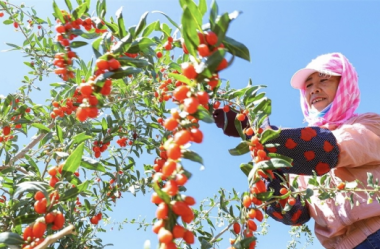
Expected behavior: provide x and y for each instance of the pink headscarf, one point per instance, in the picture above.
(347, 97)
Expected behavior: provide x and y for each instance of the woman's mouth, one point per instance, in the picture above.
(316, 100)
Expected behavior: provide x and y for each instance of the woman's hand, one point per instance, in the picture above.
(230, 130)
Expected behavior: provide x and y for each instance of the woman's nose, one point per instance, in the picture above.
(315, 89)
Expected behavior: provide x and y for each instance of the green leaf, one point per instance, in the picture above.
(80, 138)
(213, 13)
(205, 244)
(180, 77)
(92, 164)
(235, 93)
(189, 31)
(101, 8)
(120, 22)
(236, 48)
(204, 115)
(324, 196)
(68, 4)
(73, 161)
(266, 196)
(202, 7)
(191, 155)
(59, 132)
(313, 181)
(221, 26)
(127, 61)
(309, 193)
(80, 10)
(140, 44)
(170, 20)
(26, 219)
(33, 165)
(73, 192)
(250, 94)
(9, 238)
(112, 26)
(166, 29)
(239, 128)
(370, 179)
(273, 163)
(261, 105)
(40, 127)
(31, 187)
(104, 124)
(150, 28)
(276, 155)
(245, 242)
(77, 44)
(142, 23)
(95, 47)
(323, 179)
(57, 12)
(246, 168)
(7, 22)
(164, 196)
(241, 149)
(209, 66)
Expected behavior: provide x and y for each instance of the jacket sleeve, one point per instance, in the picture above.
(311, 148)
(359, 142)
(297, 215)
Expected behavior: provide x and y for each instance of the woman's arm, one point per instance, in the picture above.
(311, 148)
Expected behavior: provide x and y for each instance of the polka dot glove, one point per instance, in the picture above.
(230, 130)
(297, 215)
(311, 148)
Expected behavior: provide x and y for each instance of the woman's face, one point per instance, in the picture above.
(320, 90)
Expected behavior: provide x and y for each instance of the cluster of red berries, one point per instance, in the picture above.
(170, 176)
(84, 93)
(207, 45)
(241, 117)
(61, 108)
(96, 218)
(163, 91)
(33, 234)
(99, 147)
(62, 61)
(122, 142)
(110, 64)
(56, 172)
(168, 45)
(64, 30)
(6, 134)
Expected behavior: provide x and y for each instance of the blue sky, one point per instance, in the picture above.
(282, 36)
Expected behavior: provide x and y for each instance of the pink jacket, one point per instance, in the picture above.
(337, 225)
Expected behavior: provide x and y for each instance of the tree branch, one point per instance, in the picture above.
(53, 238)
(25, 150)
(220, 234)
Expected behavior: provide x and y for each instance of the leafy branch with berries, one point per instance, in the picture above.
(66, 180)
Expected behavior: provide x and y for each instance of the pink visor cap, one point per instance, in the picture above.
(322, 64)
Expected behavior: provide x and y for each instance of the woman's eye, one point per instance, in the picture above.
(308, 85)
(323, 80)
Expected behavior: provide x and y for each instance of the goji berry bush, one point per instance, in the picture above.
(148, 89)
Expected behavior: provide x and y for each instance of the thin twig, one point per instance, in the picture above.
(220, 234)
(53, 238)
(25, 150)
